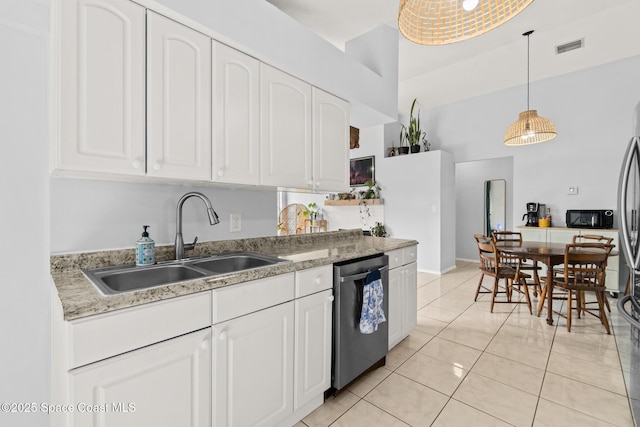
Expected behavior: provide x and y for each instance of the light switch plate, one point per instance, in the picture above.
(572, 191)
(235, 223)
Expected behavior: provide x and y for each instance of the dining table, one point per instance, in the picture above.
(547, 253)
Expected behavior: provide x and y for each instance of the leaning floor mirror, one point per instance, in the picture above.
(495, 202)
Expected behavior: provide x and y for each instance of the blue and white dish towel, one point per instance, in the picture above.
(372, 296)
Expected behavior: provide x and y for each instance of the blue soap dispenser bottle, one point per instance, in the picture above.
(145, 249)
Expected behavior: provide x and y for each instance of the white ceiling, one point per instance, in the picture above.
(493, 61)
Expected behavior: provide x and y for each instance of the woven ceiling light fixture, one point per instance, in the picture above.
(529, 128)
(438, 22)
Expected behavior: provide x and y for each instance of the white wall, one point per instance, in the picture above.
(24, 252)
(420, 204)
(89, 215)
(470, 178)
(593, 111)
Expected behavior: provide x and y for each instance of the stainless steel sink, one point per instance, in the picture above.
(115, 280)
(232, 263)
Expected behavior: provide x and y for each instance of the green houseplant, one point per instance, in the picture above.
(413, 134)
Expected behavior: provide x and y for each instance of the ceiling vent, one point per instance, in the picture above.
(577, 44)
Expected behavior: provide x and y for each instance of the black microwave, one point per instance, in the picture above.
(583, 218)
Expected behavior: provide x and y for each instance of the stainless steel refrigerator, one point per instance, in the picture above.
(629, 212)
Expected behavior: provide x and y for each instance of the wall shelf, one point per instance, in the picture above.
(353, 202)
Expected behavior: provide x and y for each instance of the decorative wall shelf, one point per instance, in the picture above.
(353, 202)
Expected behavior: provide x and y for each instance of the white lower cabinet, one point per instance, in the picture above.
(313, 347)
(253, 368)
(272, 361)
(403, 285)
(166, 384)
(256, 353)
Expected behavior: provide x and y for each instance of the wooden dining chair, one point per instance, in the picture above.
(525, 265)
(559, 270)
(491, 265)
(583, 272)
(595, 238)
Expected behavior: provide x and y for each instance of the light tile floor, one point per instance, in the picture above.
(462, 365)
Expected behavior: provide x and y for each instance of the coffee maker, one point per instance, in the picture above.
(535, 211)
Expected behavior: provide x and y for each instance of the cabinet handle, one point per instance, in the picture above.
(222, 336)
(310, 183)
(157, 166)
(136, 164)
(317, 280)
(318, 184)
(331, 298)
(221, 172)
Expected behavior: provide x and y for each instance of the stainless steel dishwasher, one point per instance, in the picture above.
(354, 352)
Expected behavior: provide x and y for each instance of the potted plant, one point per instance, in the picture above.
(372, 191)
(379, 230)
(413, 134)
(403, 148)
(312, 214)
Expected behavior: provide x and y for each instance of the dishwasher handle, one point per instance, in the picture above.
(361, 275)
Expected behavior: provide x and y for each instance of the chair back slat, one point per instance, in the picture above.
(512, 261)
(486, 253)
(506, 236)
(584, 265)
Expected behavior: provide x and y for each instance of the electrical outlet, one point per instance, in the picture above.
(572, 191)
(235, 223)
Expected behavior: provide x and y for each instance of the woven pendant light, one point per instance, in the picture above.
(529, 128)
(438, 22)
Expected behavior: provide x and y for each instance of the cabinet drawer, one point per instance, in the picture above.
(410, 254)
(99, 337)
(395, 258)
(244, 298)
(402, 256)
(314, 280)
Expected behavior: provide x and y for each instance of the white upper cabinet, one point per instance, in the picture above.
(285, 130)
(178, 100)
(142, 94)
(101, 77)
(236, 116)
(330, 142)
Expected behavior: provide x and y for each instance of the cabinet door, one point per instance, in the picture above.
(253, 368)
(533, 234)
(313, 347)
(178, 100)
(166, 384)
(410, 293)
(561, 236)
(394, 316)
(285, 130)
(403, 297)
(330, 142)
(102, 78)
(236, 116)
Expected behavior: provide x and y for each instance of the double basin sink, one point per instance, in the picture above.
(115, 280)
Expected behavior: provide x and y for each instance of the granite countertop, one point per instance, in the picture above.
(80, 298)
